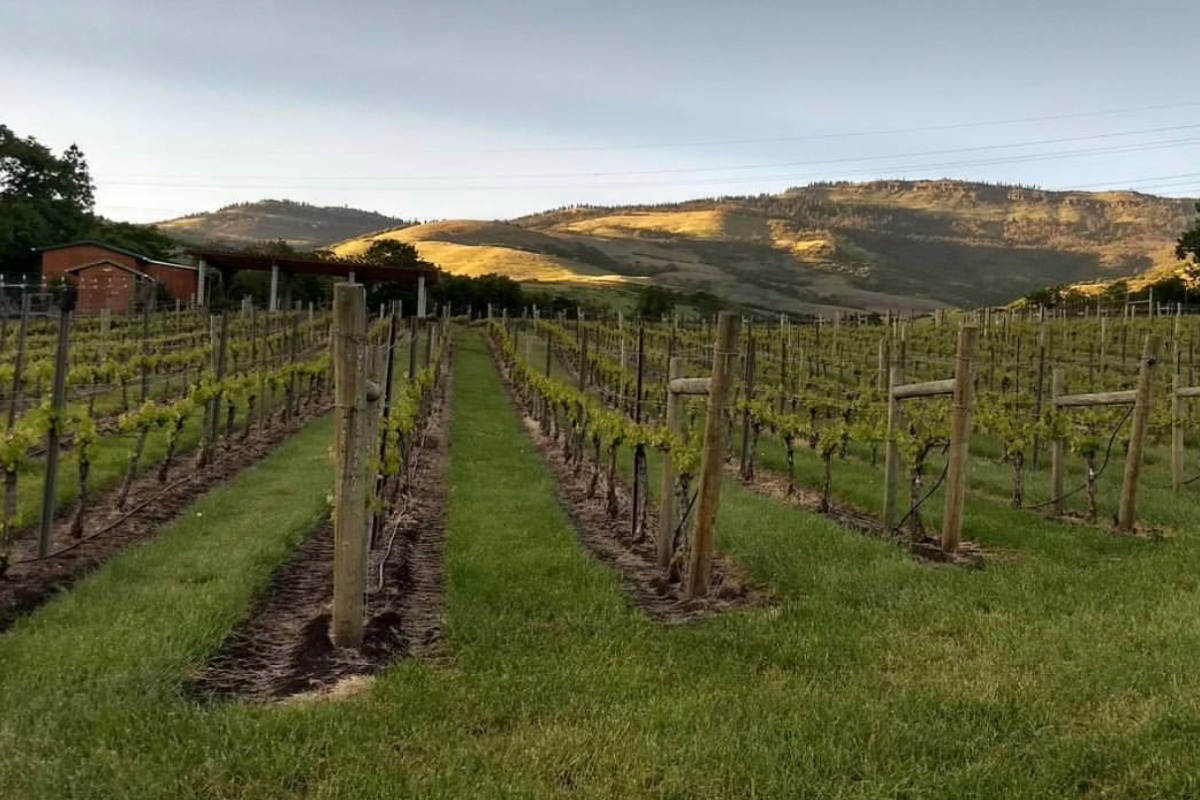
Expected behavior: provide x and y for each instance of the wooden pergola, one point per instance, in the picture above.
(227, 262)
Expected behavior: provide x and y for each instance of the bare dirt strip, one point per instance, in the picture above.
(920, 544)
(610, 539)
(282, 648)
(31, 581)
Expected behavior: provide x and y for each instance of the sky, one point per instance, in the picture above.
(445, 109)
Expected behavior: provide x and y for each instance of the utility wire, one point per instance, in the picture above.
(736, 167)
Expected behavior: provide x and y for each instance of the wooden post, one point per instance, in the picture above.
(213, 417)
(746, 468)
(713, 456)
(14, 401)
(960, 435)
(891, 461)
(1137, 434)
(783, 362)
(666, 492)
(414, 333)
(201, 285)
(260, 360)
(146, 348)
(389, 378)
(57, 406)
(885, 358)
(1037, 395)
(350, 490)
(1176, 432)
(583, 359)
(1058, 447)
(639, 454)
(293, 342)
(376, 362)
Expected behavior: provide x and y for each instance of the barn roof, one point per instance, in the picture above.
(110, 263)
(373, 272)
(103, 245)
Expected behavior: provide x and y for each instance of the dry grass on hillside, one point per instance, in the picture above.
(715, 224)
(475, 260)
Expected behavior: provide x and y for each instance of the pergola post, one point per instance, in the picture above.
(273, 305)
(201, 269)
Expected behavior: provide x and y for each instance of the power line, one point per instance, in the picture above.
(769, 139)
(999, 160)
(733, 168)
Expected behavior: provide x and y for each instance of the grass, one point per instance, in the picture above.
(1067, 668)
(710, 224)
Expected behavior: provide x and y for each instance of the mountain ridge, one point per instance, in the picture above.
(838, 245)
(302, 225)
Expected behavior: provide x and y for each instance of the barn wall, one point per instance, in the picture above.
(57, 262)
(180, 283)
(108, 287)
(105, 286)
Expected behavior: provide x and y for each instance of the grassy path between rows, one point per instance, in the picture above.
(872, 676)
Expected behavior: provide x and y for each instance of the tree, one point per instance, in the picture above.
(44, 199)
(144, 240)
(655, 301)
(390, 253)
(1188, 248)
(393, 253)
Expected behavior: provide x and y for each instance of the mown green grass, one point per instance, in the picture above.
(1067, 669)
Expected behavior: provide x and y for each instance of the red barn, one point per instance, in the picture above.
(110, 277)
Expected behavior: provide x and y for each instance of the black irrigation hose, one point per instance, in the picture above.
(687, 514)
(1107, 454)
(917, 505)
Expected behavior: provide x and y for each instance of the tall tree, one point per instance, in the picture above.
(1188, 247)
(393, 253)
(45, 199)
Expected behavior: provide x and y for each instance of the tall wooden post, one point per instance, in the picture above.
(146, 347)
(1037, 395)
(57, 404)
(746, 468)
(389, 378)
(350, 490)
(1176, 431)
(960, 435)
(666, 490)
(220, 346)
(639, 454)
(1058, 447)
(891, 461)
(1137, 434)
(725, 351)
(376, 363)
(414, 333)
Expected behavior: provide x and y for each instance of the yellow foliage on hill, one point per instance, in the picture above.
(714, 224)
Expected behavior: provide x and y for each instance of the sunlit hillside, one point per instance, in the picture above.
(878, 245)
(301, 225)
(466, 247)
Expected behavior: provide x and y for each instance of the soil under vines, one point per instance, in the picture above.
(151, 505)
(610, 538)
(922, 545)
(282, 649)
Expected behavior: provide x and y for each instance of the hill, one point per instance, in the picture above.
(882, 244)
(468, 247)
(874, 245)
(301, 225)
